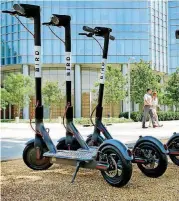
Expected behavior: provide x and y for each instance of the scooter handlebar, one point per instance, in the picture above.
(9, 12)
(88, 29)
(47, 23)
(91, 30)
(177, 34)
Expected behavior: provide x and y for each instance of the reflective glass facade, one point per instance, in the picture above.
(140, 29)
(158, 35)
(128, 20)
(173, 19)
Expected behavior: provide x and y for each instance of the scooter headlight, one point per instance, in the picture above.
(55, 20)
(19, 9)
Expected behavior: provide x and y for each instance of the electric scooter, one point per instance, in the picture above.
(173, 142)
(112, 158)
(148, 152)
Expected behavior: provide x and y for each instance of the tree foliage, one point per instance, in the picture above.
(18, 89)
(3, 97)
(143, 77)
(52, 95)
(113, 86)
(172, 89)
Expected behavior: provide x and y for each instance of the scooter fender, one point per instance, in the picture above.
(119, 145)
(61, 139)
(30, 141)
(33, 141)
(173, 137)
(100, 138)
(152, 140)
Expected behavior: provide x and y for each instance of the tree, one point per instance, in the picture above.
(18, 88)
(3, 97)
(172, 90)
(52, 95)
(143, 77)
(114, 86)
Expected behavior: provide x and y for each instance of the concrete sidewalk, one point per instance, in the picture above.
(14, 136)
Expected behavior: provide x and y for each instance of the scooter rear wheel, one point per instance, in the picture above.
(153, 154)
(120, 169)
(29, 157)
(175, 159)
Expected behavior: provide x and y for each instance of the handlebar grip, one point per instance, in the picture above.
(9, 12)
(84, 34)
(46, 23)
(111, 37)
(88, 29)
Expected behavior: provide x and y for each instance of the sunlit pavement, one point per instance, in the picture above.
(14, 136)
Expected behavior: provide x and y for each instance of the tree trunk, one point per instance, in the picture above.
(50, 115)
(111, 109)
(112, 114)
(18, 111)
(109, 115)
(141, 106)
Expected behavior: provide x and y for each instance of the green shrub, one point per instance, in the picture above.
(136, 116)
(123, 114)
(83, 121)
(163, 116)
(86, 121)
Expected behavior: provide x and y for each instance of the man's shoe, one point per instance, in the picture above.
(144, 127)
(154, 126)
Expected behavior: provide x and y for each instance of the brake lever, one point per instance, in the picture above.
(86, 34)
(90, 34)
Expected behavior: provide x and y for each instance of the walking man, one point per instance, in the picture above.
(147, 108)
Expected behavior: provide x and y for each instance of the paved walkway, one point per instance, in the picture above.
(14, 136)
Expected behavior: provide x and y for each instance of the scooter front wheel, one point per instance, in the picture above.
(29, 157)
(156, 161)
(120, 169)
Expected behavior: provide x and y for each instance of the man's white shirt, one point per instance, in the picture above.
(148, 98)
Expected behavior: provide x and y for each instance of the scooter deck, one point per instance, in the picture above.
(79, 155)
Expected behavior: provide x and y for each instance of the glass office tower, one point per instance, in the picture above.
(140, 29)
(173, 22)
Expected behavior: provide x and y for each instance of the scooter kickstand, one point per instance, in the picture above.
(75, 173)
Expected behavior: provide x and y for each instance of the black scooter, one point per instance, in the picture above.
(173, 142)
(112, 158)
(148, 152)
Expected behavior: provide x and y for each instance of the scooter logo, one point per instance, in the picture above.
(68, 66)
(37, 61)
(103, 69)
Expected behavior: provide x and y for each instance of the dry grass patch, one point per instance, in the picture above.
(19, 183)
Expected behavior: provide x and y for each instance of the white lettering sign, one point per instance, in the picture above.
(103, 70)
(68, 66)
(38, 61)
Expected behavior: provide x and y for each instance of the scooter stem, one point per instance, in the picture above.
(38, 71)
(102, 75)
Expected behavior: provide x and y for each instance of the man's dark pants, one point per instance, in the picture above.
(147, 110)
